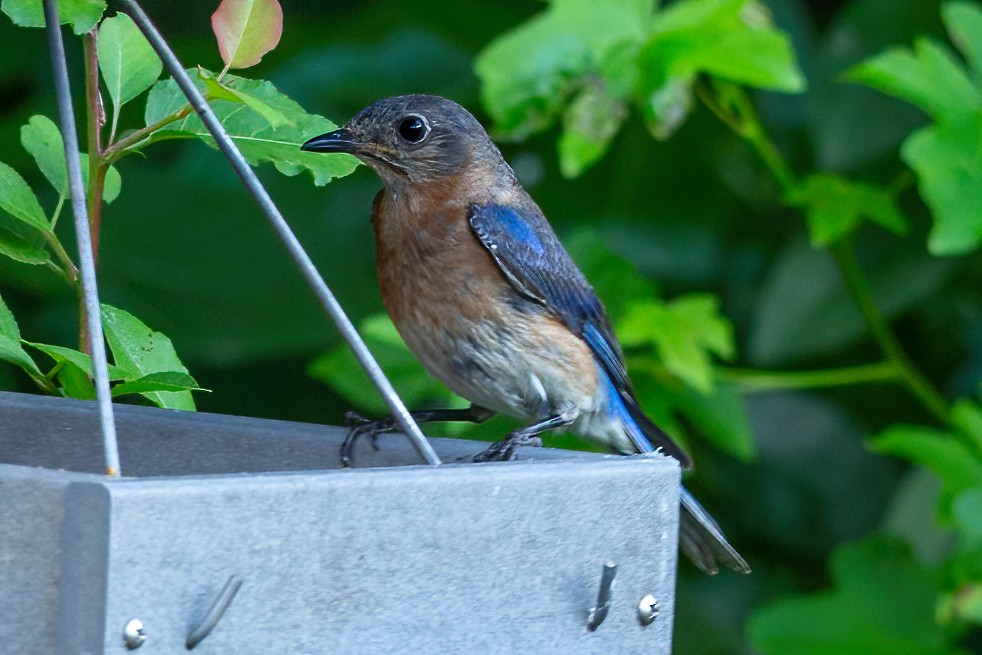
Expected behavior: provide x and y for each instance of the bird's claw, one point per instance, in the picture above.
(361, 427)
(354, 419)
(506, 449)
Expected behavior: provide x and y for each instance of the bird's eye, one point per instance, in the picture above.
(413, 129)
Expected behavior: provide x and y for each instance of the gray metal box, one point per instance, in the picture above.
(390, 557)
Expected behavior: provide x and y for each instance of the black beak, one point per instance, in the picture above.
(336, 141)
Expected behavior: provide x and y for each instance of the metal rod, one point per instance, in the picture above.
(215, 612)
(90, 291)
(296, 251)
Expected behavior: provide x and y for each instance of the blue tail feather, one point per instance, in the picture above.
(700, 537)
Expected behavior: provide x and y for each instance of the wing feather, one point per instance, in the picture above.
(534, 261)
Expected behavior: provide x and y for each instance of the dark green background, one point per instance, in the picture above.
(185, 249)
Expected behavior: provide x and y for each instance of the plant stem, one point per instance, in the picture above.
(96, 119)
(58, 270)
(46, 385)
(54, 371)
(124, 145)
(57, 212)
(113, 125)
(752, 130)
(67, 267)
(733, 105)
(859, 288)
(758, 380)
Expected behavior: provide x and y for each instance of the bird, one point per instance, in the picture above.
(484, 294)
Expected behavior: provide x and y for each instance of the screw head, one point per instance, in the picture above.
(133, 634)
(648, 610)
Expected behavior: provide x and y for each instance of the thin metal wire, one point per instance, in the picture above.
(296, 251)
(215, 612)
(90, 292)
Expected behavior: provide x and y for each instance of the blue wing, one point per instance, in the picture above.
(533, 260)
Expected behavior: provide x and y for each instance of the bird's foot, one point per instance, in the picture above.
(504, 450)
(362, 427)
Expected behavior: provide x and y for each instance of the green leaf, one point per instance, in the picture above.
(825, 319)
(966, 604)
(526, 73)
(686, 333)
(128, 63)
(78, 359)
(835, 206)
(139, 351)
(111, 185)
(966, 418)
(615, 279)
(225, 91)
(258, 140)
(17, 199)
(10, 348)
(965, 568)
(42, 139)
(882, 603)
(666, 107)
(75, 382)
(964, 22)
(966, 511)
(246, 30)
(947, 158)
(929, 76)
(589, 124)
(11, 351)
(722, 417)
(731, 39)
(8, 324)
(82, 14)
(162, 381)
(339, 369)
(21, 250)
(948, 458)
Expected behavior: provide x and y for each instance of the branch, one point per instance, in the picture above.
(862, 295)
(96, 119)
(759, 380)
(733, 105)
(125, 145)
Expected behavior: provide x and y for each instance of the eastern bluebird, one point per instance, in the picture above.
(487, 298)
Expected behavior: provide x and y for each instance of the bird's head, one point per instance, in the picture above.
(411, 139)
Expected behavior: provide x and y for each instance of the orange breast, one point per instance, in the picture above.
(431, 266)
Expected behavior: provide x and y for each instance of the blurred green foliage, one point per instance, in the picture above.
(780, 203)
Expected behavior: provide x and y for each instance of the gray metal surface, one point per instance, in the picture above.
(60, 433)
(490, 558)
(31, 512)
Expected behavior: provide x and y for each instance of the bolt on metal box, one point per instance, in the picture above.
(248, 531)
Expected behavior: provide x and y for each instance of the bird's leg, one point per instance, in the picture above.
(362, 427)
(504, 450)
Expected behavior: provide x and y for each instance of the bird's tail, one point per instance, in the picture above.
(702, 540)
(700, 537)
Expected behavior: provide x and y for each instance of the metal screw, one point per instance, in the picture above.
(648, 610)
(599, 613)
(133, 634)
